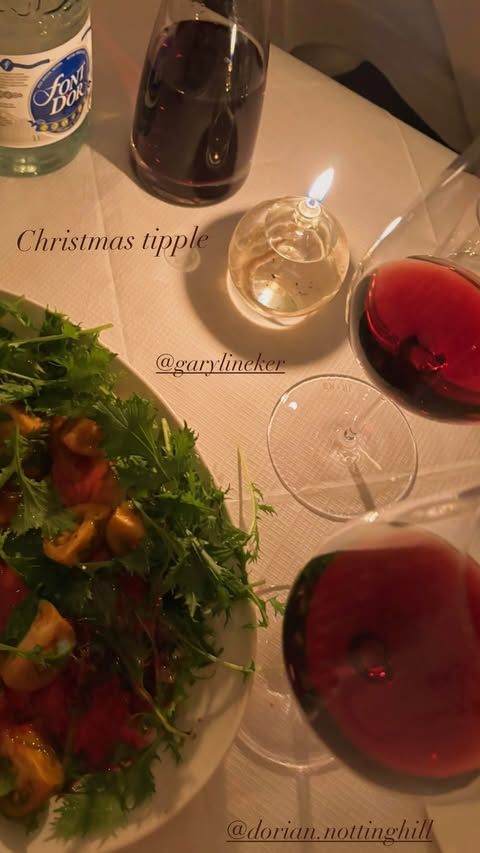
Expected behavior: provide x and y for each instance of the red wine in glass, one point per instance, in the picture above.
(198, 111)
(416, 329)
(382, 648)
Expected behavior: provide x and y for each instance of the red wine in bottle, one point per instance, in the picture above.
(416, 329)
(198, 111)
(382, 647)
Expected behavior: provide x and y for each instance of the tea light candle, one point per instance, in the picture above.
(288, 257)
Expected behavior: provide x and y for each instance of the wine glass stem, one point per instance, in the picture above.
(359, 421)
(348, 440)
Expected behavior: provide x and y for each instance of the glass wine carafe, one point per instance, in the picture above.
(200, 98)
(341, 445)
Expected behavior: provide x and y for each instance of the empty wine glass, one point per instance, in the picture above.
(341, 445)
(381, 643)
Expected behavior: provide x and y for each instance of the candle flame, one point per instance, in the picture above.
(321, 186)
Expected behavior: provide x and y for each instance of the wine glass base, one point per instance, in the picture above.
(274, 729)
(341, 448)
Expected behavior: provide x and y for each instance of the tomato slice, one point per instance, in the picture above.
(83, 479)
(105, 723)
(12, 593)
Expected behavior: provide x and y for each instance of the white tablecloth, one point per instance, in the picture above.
(309, 123)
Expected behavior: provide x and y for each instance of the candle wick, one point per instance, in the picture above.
(309, 210)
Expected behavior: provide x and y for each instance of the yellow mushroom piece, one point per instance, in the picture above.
(37, 770)
(125, 530)
(82, 436)
(48, 632)
(73, 546)
(26, 423)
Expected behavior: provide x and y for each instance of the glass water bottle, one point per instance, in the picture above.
(45, 83)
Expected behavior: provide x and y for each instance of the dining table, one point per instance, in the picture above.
(180, 307)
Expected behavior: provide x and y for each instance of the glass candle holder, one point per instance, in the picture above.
(288, 257)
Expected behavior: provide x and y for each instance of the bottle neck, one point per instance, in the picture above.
(32, 9)
(33, 26)
(253, 16)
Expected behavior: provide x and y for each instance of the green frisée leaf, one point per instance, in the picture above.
(54, 329)
(38, 655)
(101, 802)
(130, 429)
(34, 505)
(58, 519)
(15, 310)
(91, 809)
(137, 562)
(20, 620)
(34, 495)
(58, 368)
(11, 392)
(278, 606)
(38, 504)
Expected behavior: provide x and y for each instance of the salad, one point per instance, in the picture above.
(116, 555)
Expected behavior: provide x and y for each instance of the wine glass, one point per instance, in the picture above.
(414, 307)
(342, 446)
(381, 644)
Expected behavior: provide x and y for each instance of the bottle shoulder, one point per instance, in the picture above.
(28, 27)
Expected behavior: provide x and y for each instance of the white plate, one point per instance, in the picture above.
(214, 710)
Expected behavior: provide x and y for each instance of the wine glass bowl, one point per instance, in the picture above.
(381, 642)
(414, 305)
(272, 729)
